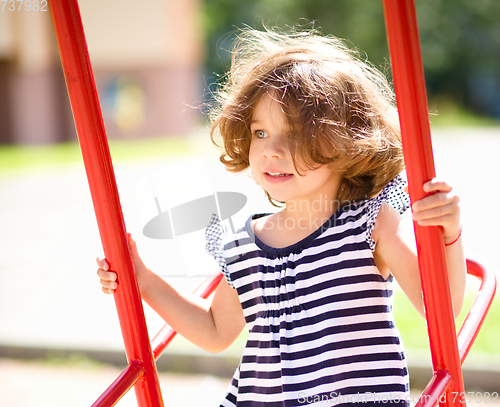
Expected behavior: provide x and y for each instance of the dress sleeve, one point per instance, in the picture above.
(394, 194)
(214, 234)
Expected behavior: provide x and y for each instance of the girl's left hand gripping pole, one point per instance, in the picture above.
(95, 150)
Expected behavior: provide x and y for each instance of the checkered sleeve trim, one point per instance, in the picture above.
(213, 235)
(394, 194)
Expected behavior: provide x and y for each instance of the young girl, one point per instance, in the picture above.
(313, 281)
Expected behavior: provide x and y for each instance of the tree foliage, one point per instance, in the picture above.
(460, 39)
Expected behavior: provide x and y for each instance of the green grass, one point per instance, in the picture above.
(72, 361)
(414, 331)
(444, 112)
(15, 157)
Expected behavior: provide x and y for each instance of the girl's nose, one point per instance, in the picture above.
(276, 147)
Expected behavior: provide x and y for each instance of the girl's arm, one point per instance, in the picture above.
(395, 247)
(211, 325)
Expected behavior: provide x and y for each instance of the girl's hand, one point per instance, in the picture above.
(442, 208)
(108, 278)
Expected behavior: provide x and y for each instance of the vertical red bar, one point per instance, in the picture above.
(93, 142)
(409, 83)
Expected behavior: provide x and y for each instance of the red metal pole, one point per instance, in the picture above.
(434, 390)
(409, 83)
(121, 385)
(95, 150)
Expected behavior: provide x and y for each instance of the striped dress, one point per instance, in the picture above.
(319, 314)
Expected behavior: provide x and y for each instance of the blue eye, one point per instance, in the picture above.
(260, 134)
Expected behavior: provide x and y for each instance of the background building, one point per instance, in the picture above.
(146, 57)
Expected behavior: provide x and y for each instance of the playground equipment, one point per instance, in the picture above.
(448, 351)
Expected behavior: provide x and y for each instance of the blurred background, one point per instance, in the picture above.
(156, 64)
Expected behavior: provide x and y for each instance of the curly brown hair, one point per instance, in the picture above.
(340, 108)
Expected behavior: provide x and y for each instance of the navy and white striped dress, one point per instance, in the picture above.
(319, 314)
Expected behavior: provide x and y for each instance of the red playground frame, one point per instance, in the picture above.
(448, 350)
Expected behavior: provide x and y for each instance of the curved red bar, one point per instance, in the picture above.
(477, 313)
(468, 332)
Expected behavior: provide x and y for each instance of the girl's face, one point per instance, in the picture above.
(271, 162)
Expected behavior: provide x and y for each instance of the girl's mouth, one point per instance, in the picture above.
(277, 176)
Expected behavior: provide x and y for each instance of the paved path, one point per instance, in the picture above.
(79, 383)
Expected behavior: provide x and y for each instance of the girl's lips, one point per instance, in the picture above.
(276, 177)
